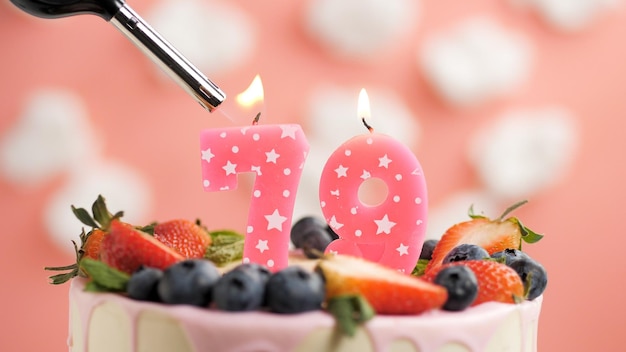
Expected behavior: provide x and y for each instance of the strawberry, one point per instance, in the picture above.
(185, 237)
(493, 235)
(386, 290)
(99, 222)
(496, 281)
(126, 248)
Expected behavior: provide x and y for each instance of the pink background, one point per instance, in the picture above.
(154, 127)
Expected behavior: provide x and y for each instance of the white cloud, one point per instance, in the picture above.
(359, 29)
(123, 188)
(214, 35)
(569, 15)
(524, 151)
(335, 121)
(52, 135)
(476, 60)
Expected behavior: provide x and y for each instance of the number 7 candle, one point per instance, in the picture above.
(392, 232)
(276, 154)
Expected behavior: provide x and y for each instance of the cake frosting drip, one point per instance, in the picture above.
(480, 328)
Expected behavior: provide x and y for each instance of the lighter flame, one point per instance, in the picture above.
(363, 107)
(253, 95)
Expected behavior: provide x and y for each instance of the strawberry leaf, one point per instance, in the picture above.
(104, 277)
(473, 215)
(226, 247)
(528, 235)
(84, 217)
(350, 311)
(510, 209)
(420, 267)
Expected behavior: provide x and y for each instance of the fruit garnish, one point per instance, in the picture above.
(241, 289)
(350, 311)
(90, 242)
(496, 281)
(186, 237)
(103, 278)
(533, 275)
(312, 235)
(226, 247)
(386, 290)
(188, 282)
(493, 235)
(294, 290)
(126, 248)
(465, 251)
(461, 284)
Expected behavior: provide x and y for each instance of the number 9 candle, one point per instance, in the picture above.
(392, 232)
(276, 155)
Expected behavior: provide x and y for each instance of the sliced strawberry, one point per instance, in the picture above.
(91, 248)
(186, 237)
(496, 281)
(493, 235)
(386, 290)
(125, 248)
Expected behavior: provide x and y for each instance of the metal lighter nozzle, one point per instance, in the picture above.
(168, 58)
(139, 32)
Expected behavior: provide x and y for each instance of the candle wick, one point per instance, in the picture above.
(256, 119)
(369, 128)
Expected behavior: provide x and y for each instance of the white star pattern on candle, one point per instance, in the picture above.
(272, 156)
(230, 168)
(384, 161)
(207, 155)
(384, 225)
(341, 171)
(335, 193)
(262, 246)
(403, 250)
(366, 175)
(256, 169)
(275, 220)
(288, 131)
(334, 223)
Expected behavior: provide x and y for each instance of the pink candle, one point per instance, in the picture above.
(276, 154)
(392, 232)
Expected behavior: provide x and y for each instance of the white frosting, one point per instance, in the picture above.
(107, 322)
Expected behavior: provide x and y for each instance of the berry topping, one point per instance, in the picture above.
(427, 249)
(386, 290)
(311, 235)
(188, 282)
(496, 282)
(242, 288)
(188, 238)
(533, 275)
(510, 255)
(126, 248)
(294, 290)
(465, 251)
(461, 284)
(492, 235)
(143, 283)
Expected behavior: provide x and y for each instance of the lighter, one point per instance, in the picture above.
(151, 43)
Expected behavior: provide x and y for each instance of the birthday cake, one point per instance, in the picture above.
(174, 286)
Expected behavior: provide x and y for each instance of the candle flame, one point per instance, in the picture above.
(253, 95)
(363, 108)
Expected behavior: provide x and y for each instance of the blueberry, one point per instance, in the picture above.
(510, 255)
(465, 252)
(143, 283)
(427, 249)
(533, 275)
(242, 288)
(311, 235)
(461, 284)
(295, 290)
(333, 234)
(188, 282)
